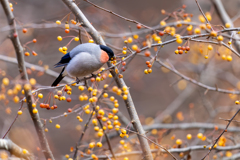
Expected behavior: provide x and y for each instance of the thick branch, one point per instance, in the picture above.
(120, 82)
(22, 69)
(226, 19)
(14, 149)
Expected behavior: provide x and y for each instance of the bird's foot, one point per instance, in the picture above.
(77, 80)
(94, 75)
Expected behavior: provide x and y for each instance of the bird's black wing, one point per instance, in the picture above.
(64, 61)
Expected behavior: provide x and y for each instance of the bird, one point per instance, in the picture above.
(83, 60)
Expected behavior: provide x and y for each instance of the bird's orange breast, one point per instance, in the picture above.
(104, 57)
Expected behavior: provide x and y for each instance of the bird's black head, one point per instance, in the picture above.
(109, 51)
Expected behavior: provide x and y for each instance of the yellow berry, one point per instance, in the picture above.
(81, 88)
(189, 136)
(162, 23)
(134, 47)
(124, 52)
(96, 128)
(179, 40)
(206, 57)
(57, 126)
(210, 47)
(135, 36)
(146, 71)
(176, 51)
(58, 22)
(105, 95)
(91, 145)
(59, 38)
(189, 28)
(66, 156)
(220, 38)
(40, 95)
(32, 81)
(20, 112)
(34, 105)
(197, 31)
(101, 112)
(204, 138)
(16, 99)
(213, 33)
(5, 81)
(35, 111)
(115, 110)
(236, 102)
(227, 25)
(178, 141)
(94, 121)
(200, 135)
(201, 18)
(129, 40)
(91, 41)
(125, 97)
(64, 48)
(87, 111)
(99, 144)
(229, 42)
(46, 130)
(76, 39)
(60, 49)
(24, 151)
(100, 134)
(229, 58)
(209, 17)
(228, 154)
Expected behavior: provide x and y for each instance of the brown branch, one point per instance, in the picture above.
(36, 67)
(120, 82)
(172, 150)
(81, 137)
(108, 140)
(225, 130)
(115, 14)
(14, 149)
(200, 9)
(226, 19)
(22, 69)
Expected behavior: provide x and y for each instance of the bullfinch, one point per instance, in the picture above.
(83, 60)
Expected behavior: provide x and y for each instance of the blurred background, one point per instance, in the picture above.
(160, 96)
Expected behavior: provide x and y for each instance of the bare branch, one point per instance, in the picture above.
(226, 19)
(14, 149)
(36, 67)
(225, 130)
(120, 82)
(172, 150)
(22, 69)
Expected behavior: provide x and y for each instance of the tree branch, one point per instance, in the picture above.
(14, 149)
(120, 82)
(226, 19)
(22, 69)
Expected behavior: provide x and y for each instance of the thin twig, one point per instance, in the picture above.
(203, 13)
(225, 130)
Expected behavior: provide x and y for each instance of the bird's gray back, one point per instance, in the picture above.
(91, 48)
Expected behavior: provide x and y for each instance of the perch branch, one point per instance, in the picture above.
(120, 82)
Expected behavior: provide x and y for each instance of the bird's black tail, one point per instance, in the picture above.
(59, 78)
